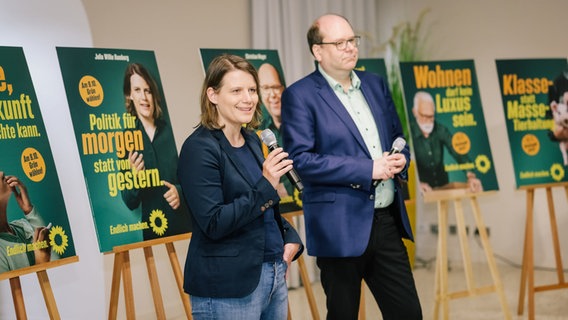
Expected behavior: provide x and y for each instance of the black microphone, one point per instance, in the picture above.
(269, 139)
(397, 146)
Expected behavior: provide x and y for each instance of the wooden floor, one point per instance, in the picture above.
(549, 305)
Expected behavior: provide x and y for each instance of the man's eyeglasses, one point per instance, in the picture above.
(342, 44)
(274, 89)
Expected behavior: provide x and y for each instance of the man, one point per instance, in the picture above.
(337, 124)
(430, 138)
(271, 94)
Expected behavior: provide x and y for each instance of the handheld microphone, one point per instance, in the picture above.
(269, 139)
(397, 146)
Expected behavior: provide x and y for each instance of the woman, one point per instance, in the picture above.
(241, 247)
(162, 207)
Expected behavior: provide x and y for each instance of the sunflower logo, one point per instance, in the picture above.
(297, 198)
(482, 163)
(58, 240)
(557, 172)
(158, 222)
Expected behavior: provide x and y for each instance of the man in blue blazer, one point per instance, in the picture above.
(338, 126)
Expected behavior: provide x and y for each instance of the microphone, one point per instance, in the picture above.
(269, 139)
(397, 146)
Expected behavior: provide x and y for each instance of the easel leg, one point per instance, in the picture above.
(362, 314)
(154, 283)
(308, 287)
(18, 298)
(490, 258)
(464, 244)
(554, 231)
(115, 286)
(48, 295)
(306, 281)
(527, 273)
(443, 257)
(127, 284)
(437, 294)
(179, 278)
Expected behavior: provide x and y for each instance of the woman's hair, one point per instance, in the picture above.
(136, 68)
(216, 71)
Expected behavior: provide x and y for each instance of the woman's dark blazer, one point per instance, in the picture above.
(226, 251)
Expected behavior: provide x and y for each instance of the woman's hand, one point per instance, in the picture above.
(44, 254)
(290, 251)
(275, 166)
(136, 160)
(172, 195)
(21, 193)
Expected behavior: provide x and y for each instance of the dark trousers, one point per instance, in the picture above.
(386, 270)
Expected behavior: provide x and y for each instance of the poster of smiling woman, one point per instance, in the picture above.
(34, 226)
(126, 144)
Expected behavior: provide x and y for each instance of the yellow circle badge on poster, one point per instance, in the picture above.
(461, 143)
(33, 164)
(91, 91)
(530, 144)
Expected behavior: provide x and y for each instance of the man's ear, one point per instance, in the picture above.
(553, 106)
(316, 49)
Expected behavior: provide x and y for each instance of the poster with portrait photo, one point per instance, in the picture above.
(34, 225)
(447, 126)
(272, 84)
(126, 144)
(535, 97)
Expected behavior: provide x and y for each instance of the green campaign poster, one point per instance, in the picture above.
(534, 105)
(126, 144)
(34, 225)
(374, 65)
(447, 126)
(272, 84)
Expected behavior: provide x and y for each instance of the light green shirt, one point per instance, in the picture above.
(355, 103)
(26, 227)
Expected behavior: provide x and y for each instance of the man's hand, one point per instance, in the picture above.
(473, 183)
(387, 166)
(424, 187)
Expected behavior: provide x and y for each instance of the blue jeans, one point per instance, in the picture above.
(268, 301)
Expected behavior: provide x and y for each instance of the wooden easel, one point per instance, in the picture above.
(303, 272)
(442, 197)
(40, 270)
(122, 268)
(527, 273)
